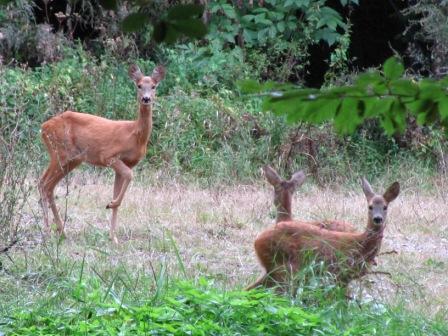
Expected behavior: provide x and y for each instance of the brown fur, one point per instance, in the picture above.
(72, 138)
(282, 248)
(283, 194)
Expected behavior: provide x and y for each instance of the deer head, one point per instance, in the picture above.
(378, 204)
(146, 85)
(283, 191)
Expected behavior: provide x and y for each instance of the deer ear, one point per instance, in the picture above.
(392, 192)
(366, 187)
(271, 175)
(135, 73)
(158, 74)
(297, 179)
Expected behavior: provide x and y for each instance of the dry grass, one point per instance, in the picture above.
(214, 230)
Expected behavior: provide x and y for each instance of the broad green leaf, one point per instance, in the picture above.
(428, 115)
(296, 115)
(229, 11)
(443, 108)
(380, 88)
(190, 27)
(164, 32)
(321, 110)
(395, 119)
(182, 12)
(106, 4)
(378, 106)
(430, 89)
(403, 87)
(368, 79)
(393, 68)
(281, 26)
(347, 118)
(134, 22)
(249, 86)
(283, 107)
(326, 34)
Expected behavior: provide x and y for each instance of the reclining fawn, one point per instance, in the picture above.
(282, 249)
(283, 191)
(72, 138)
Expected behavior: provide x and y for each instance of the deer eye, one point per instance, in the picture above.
(385, 207)
(370, 207)
(139, 86)
(153, 87)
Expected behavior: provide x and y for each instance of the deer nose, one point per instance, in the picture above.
(377, 220)
(146, 100)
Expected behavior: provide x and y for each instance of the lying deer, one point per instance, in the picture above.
(283, 191)
(72, 138)
(282, 249)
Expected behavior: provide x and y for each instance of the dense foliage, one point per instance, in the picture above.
(386, 96)
(188, 309)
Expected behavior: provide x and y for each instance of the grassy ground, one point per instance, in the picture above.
(173, 231)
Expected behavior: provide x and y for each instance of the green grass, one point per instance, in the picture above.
(186, 308)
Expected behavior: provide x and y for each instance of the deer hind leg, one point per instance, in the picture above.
(276, 278)
(113, 224)
(261, 281)
(51, 177)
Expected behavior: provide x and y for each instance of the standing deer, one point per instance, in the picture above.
(283, 191)
(282, 249)
(72, 138)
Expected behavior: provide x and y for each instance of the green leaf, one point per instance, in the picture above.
(229, 11)
(347, 118)
(428, 115)
(182, 12)
(293, 111)
(403, 87)
(368, 79)
(395, 119)
(321, 110)
(443, 108)
(430, 89)
(281, 26)
(418, 106)
(106, 4)
(326, 34)
(296, 115)
(134, 22)
(191, 27)
(393, 68)
(377, 106)
(249, 86)
(164, 32)
(380, 88)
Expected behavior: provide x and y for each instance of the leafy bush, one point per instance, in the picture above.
(185, 308)
(16, 152)
(202, 127)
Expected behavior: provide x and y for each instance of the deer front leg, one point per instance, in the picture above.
(125, 174)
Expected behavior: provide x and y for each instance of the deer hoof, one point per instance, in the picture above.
(114, 240)
(112, 205)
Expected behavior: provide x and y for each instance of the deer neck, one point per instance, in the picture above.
(144, 123)
(371, 241)
(283, 215)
